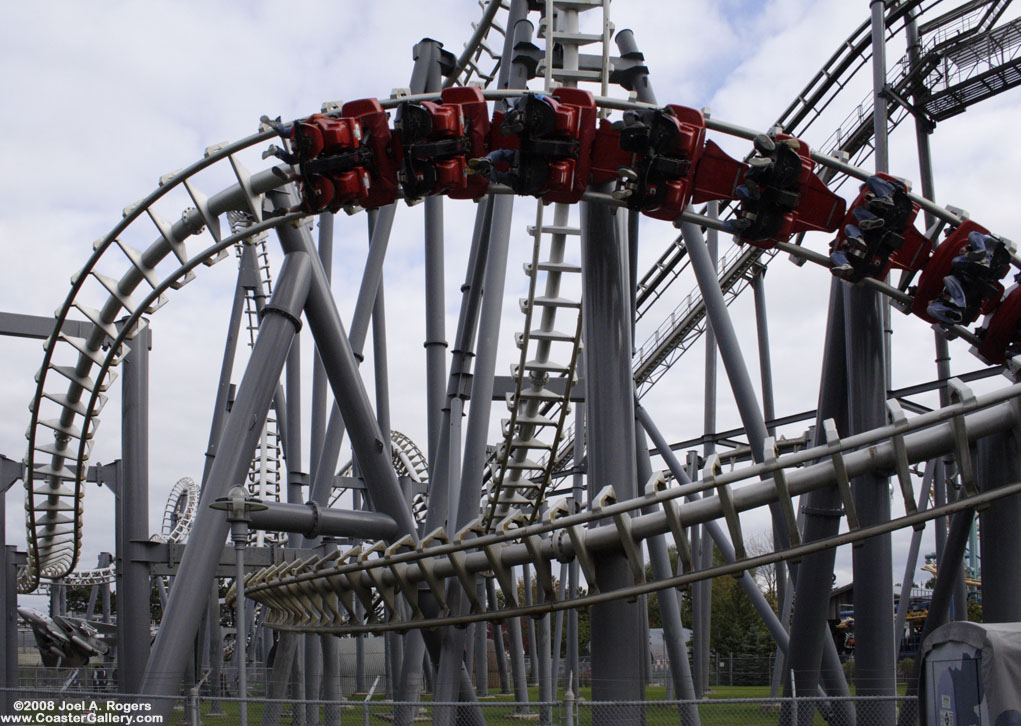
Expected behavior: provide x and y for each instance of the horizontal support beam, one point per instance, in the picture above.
(40, 327)
(314, 521)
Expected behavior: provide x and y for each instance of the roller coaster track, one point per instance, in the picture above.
(56, 470)
(70, 411)
(408, 461)
(319, 594)
(178, 514)
(685, 324)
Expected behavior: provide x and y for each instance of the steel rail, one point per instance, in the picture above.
(651, 586)
(62, 546)
(888, 448)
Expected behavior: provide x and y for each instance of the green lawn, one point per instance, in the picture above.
(498, 714)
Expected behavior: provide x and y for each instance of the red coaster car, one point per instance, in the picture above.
(1001, 334)
(542, 145)
(878, 233)
(653, 154)
(781, 196)
(961, 280)
(347, 160)
(438, 139)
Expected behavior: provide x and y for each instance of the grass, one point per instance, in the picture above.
(498, 714)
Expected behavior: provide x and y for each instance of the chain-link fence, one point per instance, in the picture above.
(856, 711)
(38, 706)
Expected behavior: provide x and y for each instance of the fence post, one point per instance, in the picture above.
(731, 669)
(569, 701)
(193, 707)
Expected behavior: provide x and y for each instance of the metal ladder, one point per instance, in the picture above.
(265, 472)
(525, 459)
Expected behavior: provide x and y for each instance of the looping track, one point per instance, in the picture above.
(55, 487)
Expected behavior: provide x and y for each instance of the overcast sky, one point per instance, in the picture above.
(103, 98)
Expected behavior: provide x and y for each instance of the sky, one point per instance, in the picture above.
(104, 98)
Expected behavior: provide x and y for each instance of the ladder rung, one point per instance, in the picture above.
(555, 229)
(554, 336)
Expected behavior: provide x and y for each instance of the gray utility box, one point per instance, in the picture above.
(971, 675)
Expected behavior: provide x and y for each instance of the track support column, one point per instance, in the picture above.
(170, 652)
(617, 627)
(132, 526)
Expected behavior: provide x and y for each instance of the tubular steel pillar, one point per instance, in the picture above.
(702, 592)
(501, 652)
(999, 463)
(669, 604)
(187, 599)
(875, 661)
(287, 645)
(733, 360)
(822, 512)
(465, 483)
(133, 586)
(577, 499)
(875, 673)
(616, 626)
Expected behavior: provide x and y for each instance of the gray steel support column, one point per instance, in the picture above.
(325, 468)
(10, 619)
(133, 587)
(922, 133)
(498, 645)
(875, 660)
(465, 491)
(912, 562)
(317, 433)
(11, 472)
(558, 628)
(873, 597)
(543, 664)
(241, 637)
(609, 391)
(822, 510)
(287, 645)
(517, 654)
(669, 601)
(533, 648)
(317, 429)
(733, 360)
(106, 614)
(180, 620)
(333, 691)
(381, 485)
(702, 592)
(481, 646)
(381, 380)
(215, 638)
(998, 462)
(427, 74)
(227, 362)
(762, 328)
(443, 502)
(435, 322)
